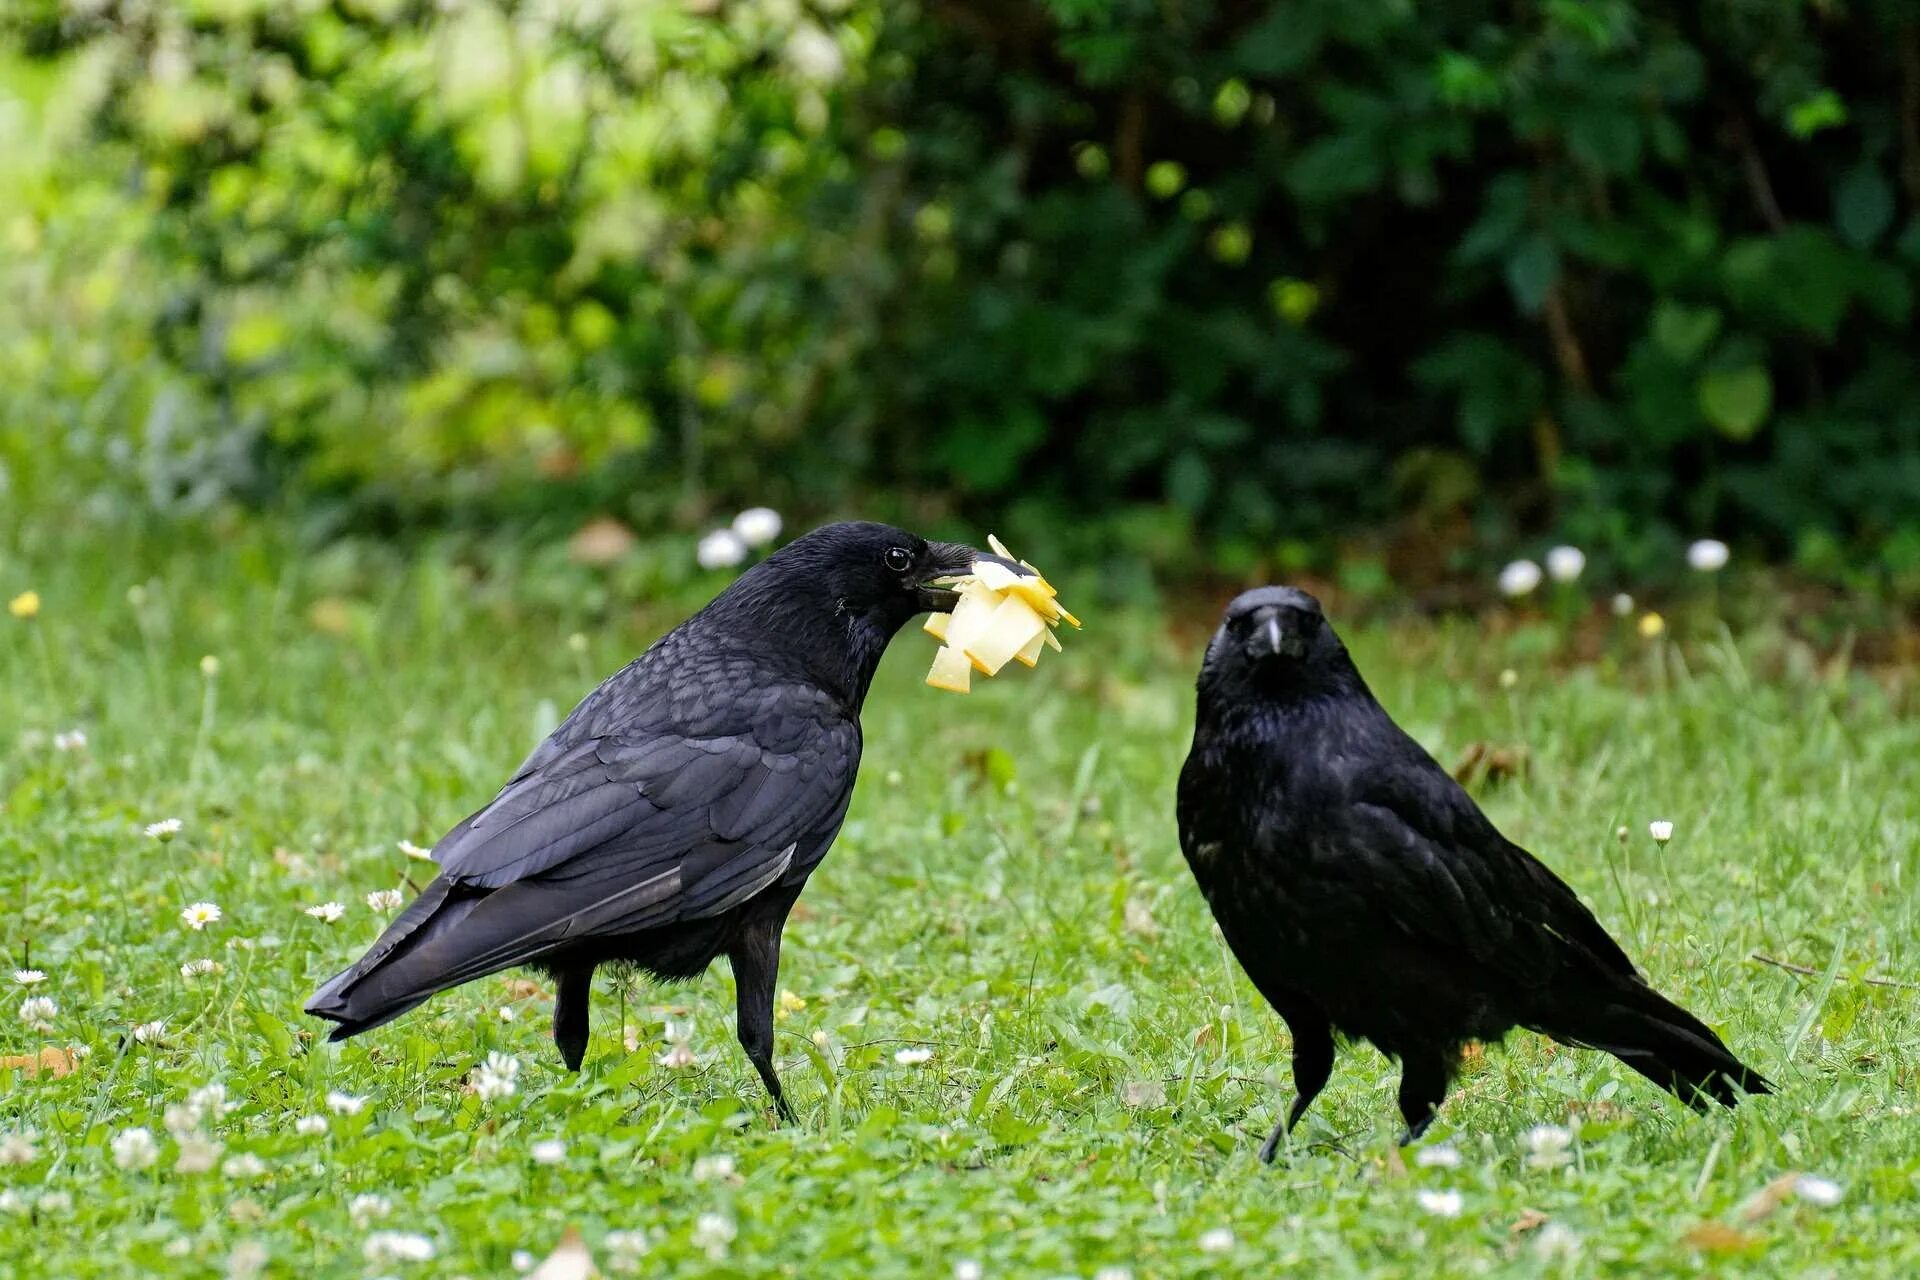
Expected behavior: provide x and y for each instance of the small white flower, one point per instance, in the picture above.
(80, 1052)
(1623, 605)
(71, 740)
(247, 1259)
(968, 1269)
(384, 899)
(1509, 677)
(522, 1260)
(507, 1014)
(414, 851)
(1815, 1190)
(625, 1249)
(679, 1055)
(815, 55)
(397, 1246)
(368, 1207)
(1519, 578)
(37, 1012)
(1440, 1157)
(1661, 830)
(1547, 1146)
(310, 1126)
(757, 526)
(21, 1146)
(198, 968)
(134, 1148)
(150, 1032)
(345, 1104)
(1446, 1204)
(211, 1100)
(577, 642)
(197, 1155)
(1218, 1240)
(713, 1232)
(244, 1165)
(495, 1077)
(198, 915)
(1564, 564)
(209, 666)
(548, 1151)
(1709, 555)
(29, 977)
(326, 912)
(164, 830)
(1113, 1273)
(721, 549)
(1556, 1241)
(54, 1202)
(712, 1168)
(913, 1057)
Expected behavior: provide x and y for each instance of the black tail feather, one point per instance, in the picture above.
(1663, 1042)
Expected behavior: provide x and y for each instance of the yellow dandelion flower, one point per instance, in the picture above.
(1652, 625)
(25, 605)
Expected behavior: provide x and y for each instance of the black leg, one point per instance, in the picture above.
(1312, 1065)
(756, 968)
(1423, 1086)
(574, 987)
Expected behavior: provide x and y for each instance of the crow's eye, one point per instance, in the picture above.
(898, 559)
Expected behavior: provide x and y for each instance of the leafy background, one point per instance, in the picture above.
(1382, 290)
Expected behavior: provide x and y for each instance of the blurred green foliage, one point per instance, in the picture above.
(1246, 287)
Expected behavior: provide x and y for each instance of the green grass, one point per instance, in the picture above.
(1007, 893)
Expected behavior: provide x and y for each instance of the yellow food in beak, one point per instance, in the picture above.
(1002, 616)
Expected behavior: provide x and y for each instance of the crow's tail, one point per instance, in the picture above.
(1657, 1038)
(382, 985)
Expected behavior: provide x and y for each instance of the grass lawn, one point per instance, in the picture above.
(1008, 895)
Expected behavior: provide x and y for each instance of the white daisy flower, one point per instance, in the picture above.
(1564, 564)
(1440, 1157)
(384, 899)
(164, 830)
(198, 915)
(757, 526)
(197, 1155)
(721, 549)
(495, 1077)
(345, 1104)
(29, 977)
(1548, 1146)
(310, 1126)
(713, 1232)
(326, 912)
(20, 1146)
(1661, 830)
(1218, 1240)
(367, 1207)
(1519, 578)
(1709, 555)
(548, 1151)
(134, 1148)
(1445, 1204)
(397, 1246)
(913, 1057)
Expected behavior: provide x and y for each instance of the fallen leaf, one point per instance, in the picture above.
(57, 1062)
(1718, 1237)
(1770, 1197)
(1529, 1220)
(525, 989)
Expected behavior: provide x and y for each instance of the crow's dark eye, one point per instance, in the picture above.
(898, 559)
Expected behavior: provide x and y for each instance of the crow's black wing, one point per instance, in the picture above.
(1444, 873)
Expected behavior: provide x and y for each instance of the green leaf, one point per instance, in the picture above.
(1736, 401)
(1863, 205)
(1531, 272)
(1683, 332)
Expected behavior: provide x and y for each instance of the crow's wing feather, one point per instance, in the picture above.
(1444, 872)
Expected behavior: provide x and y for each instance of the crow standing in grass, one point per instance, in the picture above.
(676, 814)
(1365, 892)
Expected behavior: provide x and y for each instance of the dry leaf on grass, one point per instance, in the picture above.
(1718, 1237)
(1529, 1220)
(54, 1061)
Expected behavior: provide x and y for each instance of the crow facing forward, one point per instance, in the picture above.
(1365, 893)
(677, 812)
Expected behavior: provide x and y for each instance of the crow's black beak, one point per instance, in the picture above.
(947, 560)
(1272, 635)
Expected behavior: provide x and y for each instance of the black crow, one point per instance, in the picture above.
(676, 813)
(1366, 894)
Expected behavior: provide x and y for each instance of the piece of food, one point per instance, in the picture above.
(1006, 613)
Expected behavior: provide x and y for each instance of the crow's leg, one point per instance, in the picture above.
(756, 966)
(1312, 1064)
(573, 989)
(1423, 1086)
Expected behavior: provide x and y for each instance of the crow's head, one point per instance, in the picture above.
(838, 594)
(1275, 641)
